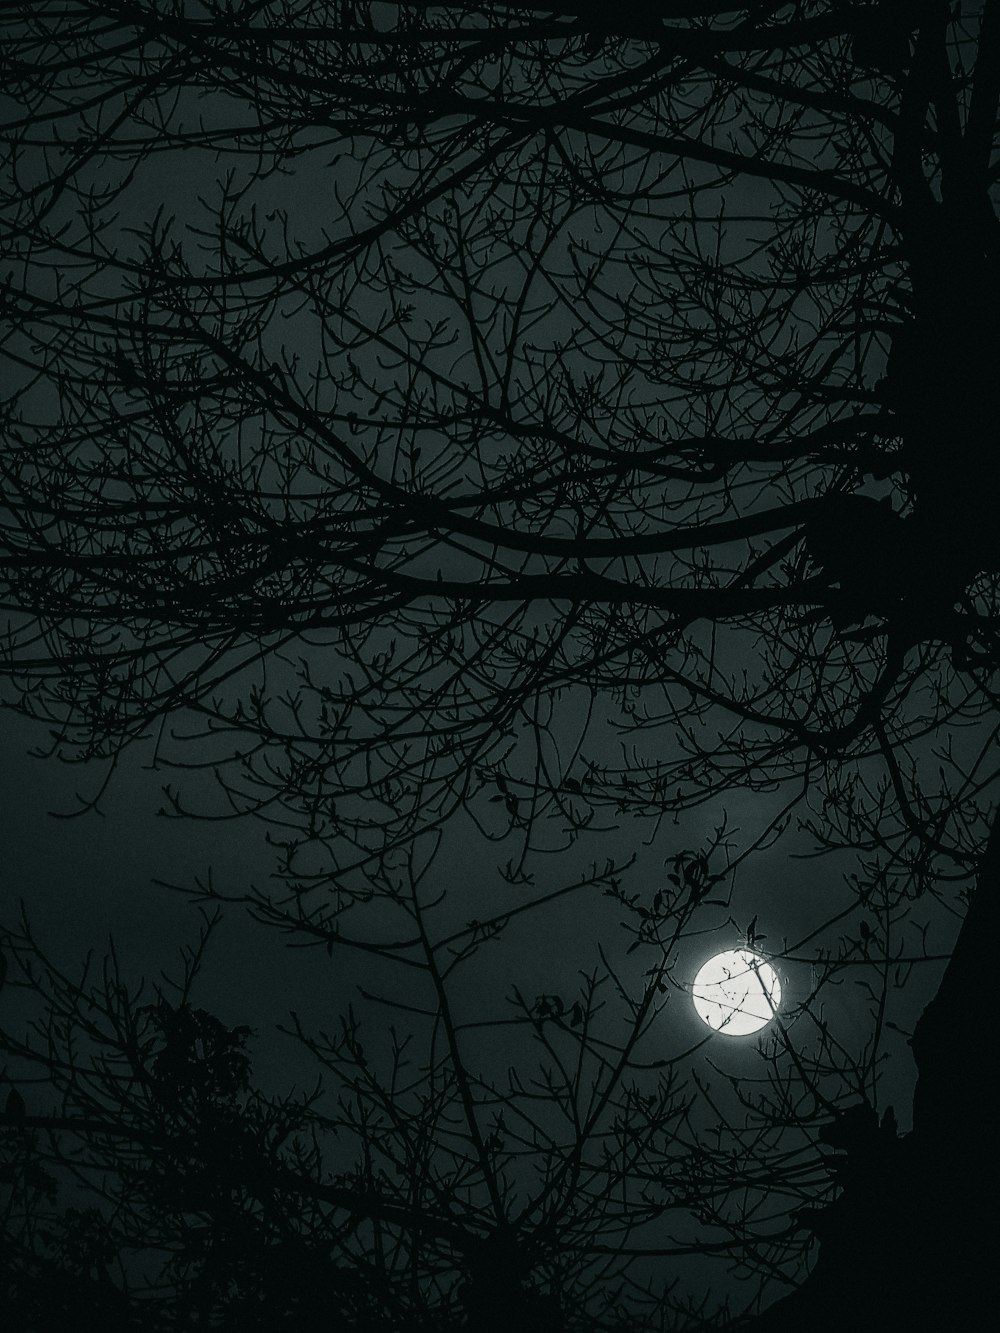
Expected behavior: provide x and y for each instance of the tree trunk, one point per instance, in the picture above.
(911, 1241)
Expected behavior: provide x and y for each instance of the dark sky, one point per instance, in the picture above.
(81, 878)
(85, 877)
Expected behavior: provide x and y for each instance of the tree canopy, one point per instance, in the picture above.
(523, 420)
(500, 357)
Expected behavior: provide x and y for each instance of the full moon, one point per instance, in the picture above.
(737, 993)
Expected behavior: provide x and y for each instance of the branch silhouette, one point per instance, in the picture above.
(528, 426)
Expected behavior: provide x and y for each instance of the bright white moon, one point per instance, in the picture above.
(737, 993)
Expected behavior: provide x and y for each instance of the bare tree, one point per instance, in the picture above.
(585, 381)
(414, 1186)
(536, 418)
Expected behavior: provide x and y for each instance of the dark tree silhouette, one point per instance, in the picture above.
(402, 400)
(500, 359)
(156, 1188)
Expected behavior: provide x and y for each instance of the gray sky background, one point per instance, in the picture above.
(87, 877)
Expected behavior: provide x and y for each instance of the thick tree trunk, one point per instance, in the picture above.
(911, 1242)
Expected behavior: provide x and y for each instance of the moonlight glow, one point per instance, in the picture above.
(736, 993)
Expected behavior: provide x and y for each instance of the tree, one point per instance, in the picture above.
(638, 369)
(159, 1189)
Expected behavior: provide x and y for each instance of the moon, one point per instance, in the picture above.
(737, 993)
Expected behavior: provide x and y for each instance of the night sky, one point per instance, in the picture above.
(121, 869)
